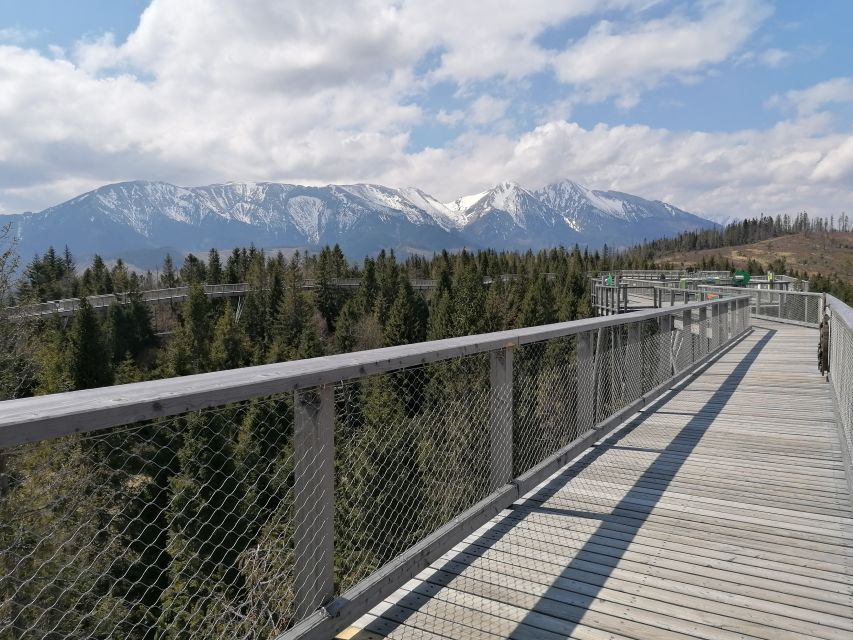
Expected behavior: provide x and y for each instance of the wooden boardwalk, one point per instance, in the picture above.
(722, 511)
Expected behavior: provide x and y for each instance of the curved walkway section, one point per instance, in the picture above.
(722, 511)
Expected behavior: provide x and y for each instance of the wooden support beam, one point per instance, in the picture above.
(500, 378)
(314, 499)
(633, 369)
(586, 381)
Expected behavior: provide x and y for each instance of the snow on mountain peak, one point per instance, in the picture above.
(363, 217)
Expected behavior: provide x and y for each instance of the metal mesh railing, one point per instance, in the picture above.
(288, 485)
(784, 306)
(841, 364)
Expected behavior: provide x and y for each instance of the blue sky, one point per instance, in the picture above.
(725, 107)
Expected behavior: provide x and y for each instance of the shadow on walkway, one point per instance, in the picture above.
(639, 500)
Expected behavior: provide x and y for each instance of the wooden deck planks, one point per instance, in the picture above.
(723, 513)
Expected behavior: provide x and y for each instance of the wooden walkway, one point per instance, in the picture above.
(720, 512)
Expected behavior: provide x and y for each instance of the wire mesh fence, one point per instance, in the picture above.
(239, 520)
(787, 306)
(841, 364)
(166, 528)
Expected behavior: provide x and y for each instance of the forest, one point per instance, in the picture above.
(279, 319)
(182, 527)
(748, 231)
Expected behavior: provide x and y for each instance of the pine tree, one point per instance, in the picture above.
(229, 348)
(193, 271)
(214, 268)
(469, 297)
(89, 359)
(205, 533)
(190, 350)
(168, 279)
(345, 331)
(327, 295)
(403, 325)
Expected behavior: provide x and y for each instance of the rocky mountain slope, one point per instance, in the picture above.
(143, 216)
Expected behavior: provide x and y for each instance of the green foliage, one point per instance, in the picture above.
(88, 355)
(229, 349)
(181, 521)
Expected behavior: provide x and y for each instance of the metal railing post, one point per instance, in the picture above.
(687, 350)
(703, 330)
(314, 498)
(633, 370)
(672, 297)
(665, 324)
(734, 325)
(500, 379)
(715, 326)
(586, 382)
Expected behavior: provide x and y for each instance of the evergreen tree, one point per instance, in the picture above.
(469, 297)
(345, 331)
(205, 533)
(229, 349)
(328, 296)
(168, 279)
(190, 350)
(89, 360)
(405, 322)
(193, 271)
(214, 268)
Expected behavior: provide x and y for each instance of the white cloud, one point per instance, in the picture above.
(773, 57)
(16, 35)
(214, 90)
(812, 99)
(452, 117)
(792, 166)
(486, 109)
(837, 165)
(621, 60)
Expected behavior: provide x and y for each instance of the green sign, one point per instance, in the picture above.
(741, 278)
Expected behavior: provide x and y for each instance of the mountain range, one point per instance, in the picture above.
(149, 218)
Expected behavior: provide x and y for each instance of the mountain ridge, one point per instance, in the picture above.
(362, 218)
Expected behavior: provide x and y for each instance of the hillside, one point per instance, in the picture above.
(143, 217)
(810, 252)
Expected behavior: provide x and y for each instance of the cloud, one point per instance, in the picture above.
(623, 59)
(214, 90)
(774, 57)
(837, 165)
(486, 109)
(451, 118)
(792, 166)
(17, 35)
(812, 99)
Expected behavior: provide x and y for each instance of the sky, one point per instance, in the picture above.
(725, 108)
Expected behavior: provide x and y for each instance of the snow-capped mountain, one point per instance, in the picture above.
(616, 218)
(509, 216)
(136, 216)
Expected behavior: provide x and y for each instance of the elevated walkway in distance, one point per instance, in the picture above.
(720, 511)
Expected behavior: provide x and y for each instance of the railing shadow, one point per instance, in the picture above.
(639, 500)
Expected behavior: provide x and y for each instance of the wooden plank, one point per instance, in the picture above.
(611, 587)
(721, 513)
(699, 549)
(500, 558)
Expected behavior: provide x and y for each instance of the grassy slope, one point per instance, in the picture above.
(813, 253)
